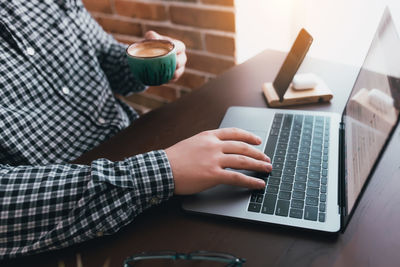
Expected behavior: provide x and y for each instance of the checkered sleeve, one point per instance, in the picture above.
(111, 55)
(48, 207)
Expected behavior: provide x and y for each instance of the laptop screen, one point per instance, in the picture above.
(372, 109)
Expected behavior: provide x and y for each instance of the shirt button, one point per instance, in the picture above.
(101, 120)
(154, 200)
(100, 233)
(30, 51)
(65, 90)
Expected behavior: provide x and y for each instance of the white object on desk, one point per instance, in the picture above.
(304, 81)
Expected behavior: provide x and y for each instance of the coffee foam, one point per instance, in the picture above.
(150, 49)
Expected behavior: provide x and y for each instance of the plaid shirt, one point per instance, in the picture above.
(58, 73)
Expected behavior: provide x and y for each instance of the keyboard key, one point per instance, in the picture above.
(277, 165)
(288, 170)
(297, 203)
(254, 207)
(259, 198)
(253, 197)
(314, 168)
(313, 183)
(323, 188)
(322, 207)
(274, 132)
(321, 217)
(324, 180)
(275, 173)
(288, 178)
(290, 163)
(311, 201)
(286, 187)
(305, 143)
(269, 204)
(291, 156)
(282, 207)
(284, 195)
(299, 194)
(302, 163)
(308, 118)
(310, 213)
(298, 118)
(276, 124)
(301, 177)
(325, 165)
(296, 213)
(274, 181)
(316, 154)
(314, 175)
(293, 150)
(273, 189)
(317, 142)
(295, 139)
(300, 186)
(315, 160)
(322, 197)
(280, 152)
(279, 158)
(284, 139)
(301, 170)
(278, 117)
(270, 147)
(316, 148)
(282, 146)
(313, 192)
(304, 149)
(304, 156)
(324, 173)
(296, 131)
(284, 133)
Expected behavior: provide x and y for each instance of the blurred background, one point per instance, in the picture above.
(222, 33)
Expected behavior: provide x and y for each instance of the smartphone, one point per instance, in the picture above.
(292, 63)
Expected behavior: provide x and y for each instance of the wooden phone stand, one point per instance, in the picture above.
(319, 93)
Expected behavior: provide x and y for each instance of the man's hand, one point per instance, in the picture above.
(199, 162)
(180, 52)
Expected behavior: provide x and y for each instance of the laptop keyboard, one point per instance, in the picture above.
(298, 146)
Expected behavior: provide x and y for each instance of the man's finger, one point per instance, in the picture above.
(178, 73)
(240, 162)
(152, 35)
(239, 179)
(236, 147)
(181, 60)
(180, 46)
(237, 135)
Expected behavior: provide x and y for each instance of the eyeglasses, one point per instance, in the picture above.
(230, 260)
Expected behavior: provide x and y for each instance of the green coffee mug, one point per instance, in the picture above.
(153, 62)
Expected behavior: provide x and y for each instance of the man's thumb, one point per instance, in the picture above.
(152, 35)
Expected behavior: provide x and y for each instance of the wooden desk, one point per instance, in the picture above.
(371, 239)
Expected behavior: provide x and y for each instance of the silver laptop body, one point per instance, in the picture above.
(345, 181)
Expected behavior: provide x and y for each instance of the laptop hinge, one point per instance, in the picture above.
(341, 174)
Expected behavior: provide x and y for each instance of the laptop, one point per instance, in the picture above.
(321, 161)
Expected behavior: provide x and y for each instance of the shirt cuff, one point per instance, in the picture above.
(152, 177)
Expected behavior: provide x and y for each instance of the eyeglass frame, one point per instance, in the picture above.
(230, 260)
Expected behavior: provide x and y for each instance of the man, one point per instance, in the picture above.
(58, 74)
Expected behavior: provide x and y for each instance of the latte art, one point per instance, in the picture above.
(150, 48)
(148, 52)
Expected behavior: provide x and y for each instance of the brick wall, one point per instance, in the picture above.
(207, 27)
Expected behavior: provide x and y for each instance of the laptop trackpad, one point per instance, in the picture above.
(220, 199)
